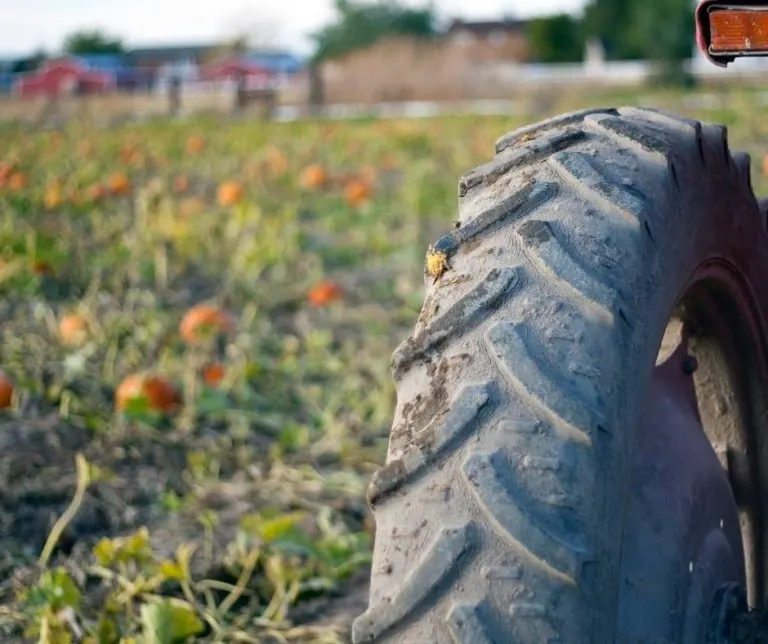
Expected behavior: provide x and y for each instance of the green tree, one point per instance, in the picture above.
(662, 30)
(360, 24)
(658, 30)
(92, 42)
(557, 39)
(609, 20)
(30, 63)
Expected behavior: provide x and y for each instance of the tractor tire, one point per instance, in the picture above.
(502, 507)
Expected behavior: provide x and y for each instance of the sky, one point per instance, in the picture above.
(28, 24)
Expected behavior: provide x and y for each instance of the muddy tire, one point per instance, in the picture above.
(501, 509)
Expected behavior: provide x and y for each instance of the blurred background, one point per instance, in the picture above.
(213, 225)
(339, 59)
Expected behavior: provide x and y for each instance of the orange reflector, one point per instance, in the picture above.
(738, 30)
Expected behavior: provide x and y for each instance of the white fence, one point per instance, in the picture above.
(618, 73)
(613, 73)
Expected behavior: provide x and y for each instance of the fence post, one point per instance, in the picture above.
(241, 98)
(174, 95)
(316, 89)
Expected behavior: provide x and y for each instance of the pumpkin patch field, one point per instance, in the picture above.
(196, 324)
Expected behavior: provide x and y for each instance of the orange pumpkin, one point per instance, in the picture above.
(357, 192)
(213, 374)
(119, 184)
(6, 170)
(6, 391)
(53, 196)
(95, 192)
(765, 165)
(17, 181)
(158, 393)
(230, 193)
(73, 329)
(314, 177)
(194, 144)
(180, 183)
(133, 157)
(203, 321)
(324, 293)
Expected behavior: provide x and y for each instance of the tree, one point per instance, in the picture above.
(658, 30)
(557, 39)
(31, 63)
(360, 24)
(609, 20)
(92, 41)
(662, 29)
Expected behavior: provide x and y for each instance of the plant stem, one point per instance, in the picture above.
(83, 479)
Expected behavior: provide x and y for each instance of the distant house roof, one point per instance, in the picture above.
(171, 53)
(233, 66)
(56, 76)
(484, 28)
(103, 62)
(71, 63)
(276, 62)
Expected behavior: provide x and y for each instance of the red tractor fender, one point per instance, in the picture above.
(703, 36)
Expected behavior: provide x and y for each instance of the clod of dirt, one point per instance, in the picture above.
(437, 263)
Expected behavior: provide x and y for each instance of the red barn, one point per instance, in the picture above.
(64, 77)
(233, 68)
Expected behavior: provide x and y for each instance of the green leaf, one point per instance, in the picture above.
(271, 529)
(169, 622)
(293, 437)
(137, 406)
(172, 570)
(56, 589)
(157, 623)
(275, 529)
(138, 410)
(295, 541)
(171, 502)
(98, 474)
(105, 551)
(107, 631)
(211, 401)
(134, 548)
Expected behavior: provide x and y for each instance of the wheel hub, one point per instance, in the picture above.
(682, 536)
